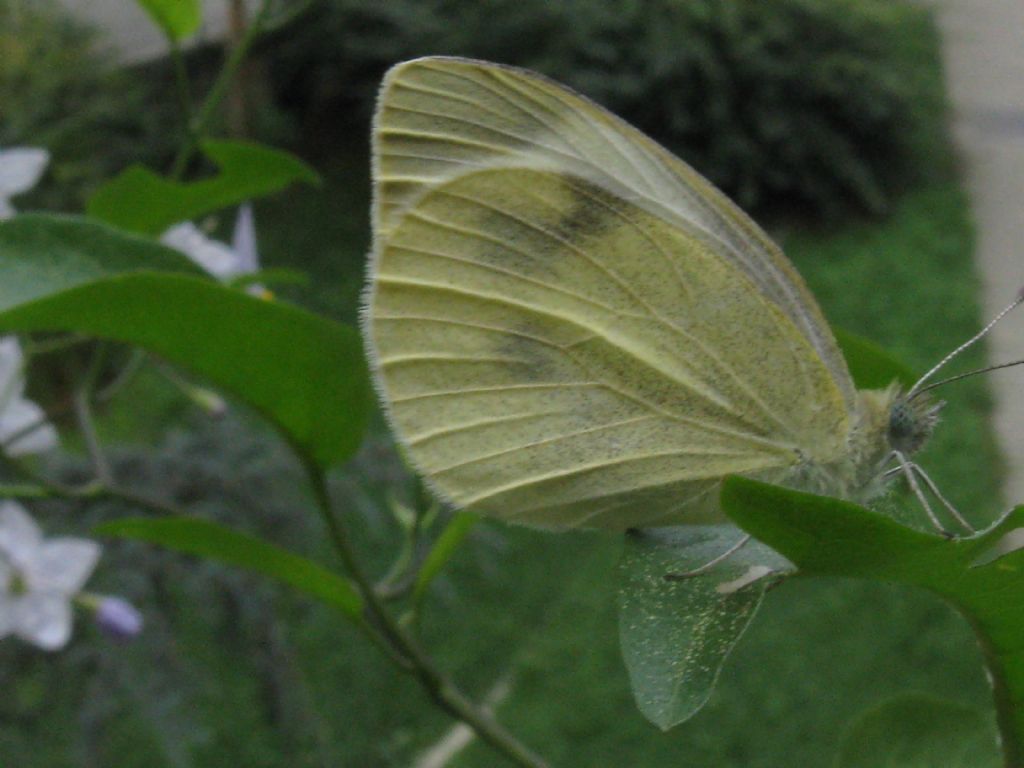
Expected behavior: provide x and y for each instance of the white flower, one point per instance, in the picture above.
(219, 259)
(39, 579)
(20, 170)
(212, 255)
(243, 241)
(17, 413)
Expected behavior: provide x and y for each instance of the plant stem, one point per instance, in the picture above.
(181, 82)
(82, 402)
(44, 487)
(24, 492)
(122, 377)
(219, 89)
(34, 348)
(441, 690)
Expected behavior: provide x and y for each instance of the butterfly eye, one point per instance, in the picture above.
(901, 427)
(910, 423)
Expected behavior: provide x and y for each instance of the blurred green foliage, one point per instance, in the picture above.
(821, 104)
(59, 89)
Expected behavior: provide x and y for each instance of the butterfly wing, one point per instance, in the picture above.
(552, 353)
(439, 117)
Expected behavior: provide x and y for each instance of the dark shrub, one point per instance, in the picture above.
(813, 103)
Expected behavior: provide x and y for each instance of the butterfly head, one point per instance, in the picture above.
(911, 422)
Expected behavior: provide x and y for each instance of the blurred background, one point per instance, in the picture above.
(828, 120)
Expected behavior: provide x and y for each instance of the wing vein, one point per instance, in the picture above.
(740, 382)
(478, 424)
(486, 128)
(588, 517)
(486, 390)
(479, 83)
(496, 269)
(445, 138)
(466, 324)
(555, 439)
(583, 156)
(562, 474)
(436, 358)
(710, 395)
(449, 96)
(433, 158)
(394, 280)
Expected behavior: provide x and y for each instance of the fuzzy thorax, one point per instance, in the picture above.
(885, 421)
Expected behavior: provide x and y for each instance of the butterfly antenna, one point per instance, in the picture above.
(969, 373)
(918, 389)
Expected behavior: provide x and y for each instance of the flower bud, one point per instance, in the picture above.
(118, 618)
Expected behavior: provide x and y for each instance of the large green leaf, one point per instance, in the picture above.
(141, 201)
(304, 372)
(676, 634)
(41, 254)
(870, 365)
(919, 731)
(177, 18)
(195, 536)
(836, 538)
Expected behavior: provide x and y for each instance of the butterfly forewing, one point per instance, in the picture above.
(552, 353)
(440, 117)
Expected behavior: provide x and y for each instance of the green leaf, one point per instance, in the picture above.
(824, 536)
(919, 731)
(871, 366)
(300, 370)
(675, 635)
(177, 18)
(280, 276)
(41, 254)
(446, 545)
(141, 201)
(305, 373)
(195, 536)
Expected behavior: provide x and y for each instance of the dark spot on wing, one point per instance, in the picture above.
(514, 246)
(587, 217)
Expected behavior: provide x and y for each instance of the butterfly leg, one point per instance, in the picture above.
(710, 563)
(938, 494)
(906, 468)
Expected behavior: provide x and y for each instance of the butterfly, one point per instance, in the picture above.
(569, 326)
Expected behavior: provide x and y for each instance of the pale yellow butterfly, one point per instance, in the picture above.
(570, 327)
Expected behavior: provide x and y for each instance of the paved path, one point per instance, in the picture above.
(984, 53)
